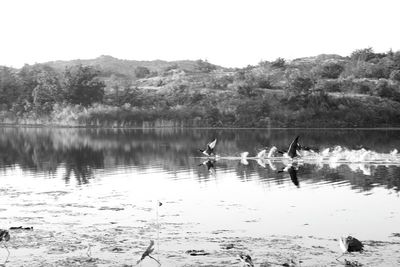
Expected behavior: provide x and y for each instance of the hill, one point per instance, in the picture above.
(109, 65)
(361, 90)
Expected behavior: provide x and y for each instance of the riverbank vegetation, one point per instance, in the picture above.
(361, 90)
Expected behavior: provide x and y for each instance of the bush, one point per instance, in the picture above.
(141, 72)
(279, 63)
(395, 75)
(330, 70)
(301, 85)
(328, 85)
(365, 54)
(252, 113)
(384, 89)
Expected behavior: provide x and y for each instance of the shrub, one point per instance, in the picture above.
(384, 89)
(395, 75)
(301, 85)
(329, 86)
(279, 63)
(330, 70)
(204, 66)
(141, 72)
(365, 54)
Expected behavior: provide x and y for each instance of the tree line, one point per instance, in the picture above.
(362, 89)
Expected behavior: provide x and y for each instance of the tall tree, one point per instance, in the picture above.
(9, 87)
(82, 85)
(30, 77)
(47, 91)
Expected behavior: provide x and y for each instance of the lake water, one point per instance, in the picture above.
(81, 188)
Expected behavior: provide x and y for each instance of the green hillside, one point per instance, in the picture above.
(361, 90)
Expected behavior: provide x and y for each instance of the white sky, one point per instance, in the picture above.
(231, 33)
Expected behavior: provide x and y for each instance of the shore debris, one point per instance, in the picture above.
(349, 263)
(195, 252)
(21, 228)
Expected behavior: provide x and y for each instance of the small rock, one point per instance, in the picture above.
(194, 252)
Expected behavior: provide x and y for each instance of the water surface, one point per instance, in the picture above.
(81, 187)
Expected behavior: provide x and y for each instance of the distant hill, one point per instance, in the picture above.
(120, 67)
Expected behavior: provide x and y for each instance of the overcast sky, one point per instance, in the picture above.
(231, 33)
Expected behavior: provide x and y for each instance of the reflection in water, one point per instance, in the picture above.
(210, 164)
(80, 162)
(115, 179)
(80, 152)
(292, 170)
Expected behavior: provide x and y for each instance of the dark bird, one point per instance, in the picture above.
(147, 253)
(350, 244)
(293, 147)
(209, 151)
(5, 237)
(292, 170)
(246, 259)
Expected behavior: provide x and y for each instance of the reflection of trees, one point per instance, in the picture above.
(81, 151)
(36, 150)
(81, 163)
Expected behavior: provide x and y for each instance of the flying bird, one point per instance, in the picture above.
(209, 151)
(293, 147)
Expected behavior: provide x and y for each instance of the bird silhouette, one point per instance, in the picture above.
(293, 147)
(209, 151)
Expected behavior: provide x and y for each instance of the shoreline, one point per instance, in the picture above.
(10, 125)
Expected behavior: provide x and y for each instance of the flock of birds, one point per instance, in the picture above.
(292, 152)
(359, 159)
(347, 243)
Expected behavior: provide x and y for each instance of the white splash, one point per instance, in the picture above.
(243, 158)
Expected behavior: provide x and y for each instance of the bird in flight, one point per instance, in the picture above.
(209, 151)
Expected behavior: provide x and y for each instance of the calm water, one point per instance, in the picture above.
(83, 181)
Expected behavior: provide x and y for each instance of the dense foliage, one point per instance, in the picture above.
(362, 90)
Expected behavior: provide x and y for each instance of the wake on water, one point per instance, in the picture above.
(359, 159)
